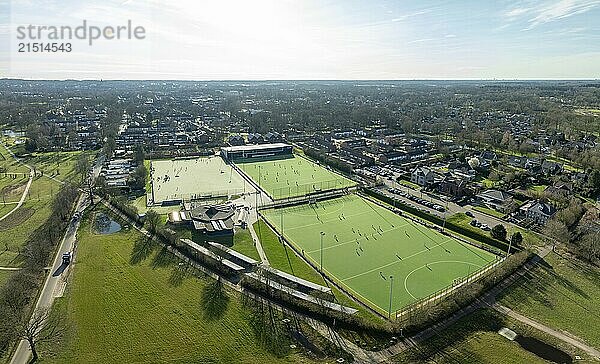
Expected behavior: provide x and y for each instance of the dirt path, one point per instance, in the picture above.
(559, 335)
(26, 191)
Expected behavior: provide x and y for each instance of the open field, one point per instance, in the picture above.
(9, 163)
(60, 165)
(151, 311)
(364, 245)
(193, 178)
(13, 177)
(291, 177)
(15, 229)
(4, 274)
(562, 293)
(475, 339)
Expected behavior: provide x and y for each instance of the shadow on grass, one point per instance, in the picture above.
(142, 249)
(163, 259)
(179, 273)
(214, 300)
(201, 238)
(446, 344)
(545, 286)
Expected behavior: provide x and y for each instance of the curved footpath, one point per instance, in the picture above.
(24, 195)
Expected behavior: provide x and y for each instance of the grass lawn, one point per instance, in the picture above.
(488, 211)
(368, 244)
(463, 220)
(290, 177)
(487, 183)
(15, 229)
(13, 178)
(537, 188)
(9, 163)
(60, 165)
(474, 339)
(409, 184)
(147, 312)
(12, 187)
(193, 178)
(243, 243)
(563, 294)
(4, 274)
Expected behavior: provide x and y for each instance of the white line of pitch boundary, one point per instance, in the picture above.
(395, 262)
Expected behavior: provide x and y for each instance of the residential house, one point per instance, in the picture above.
(454, 186)
(273, 137)
(255, 138)
(533, 165)
(236, 140)
(537, 211)
(495, 199)
(551, 168)
(422, 176)
(517, 161)
(488, 155)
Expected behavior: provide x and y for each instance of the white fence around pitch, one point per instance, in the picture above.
(188, 197)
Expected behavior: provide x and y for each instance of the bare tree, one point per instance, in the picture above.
(43, 326)
(557, 231)
(82, 166)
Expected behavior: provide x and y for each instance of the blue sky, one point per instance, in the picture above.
(311, 39)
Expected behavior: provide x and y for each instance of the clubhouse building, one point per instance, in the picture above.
(256, 151)
(209, 219)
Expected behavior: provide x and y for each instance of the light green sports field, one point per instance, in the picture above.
(291, 177)
(364, 244)
(193, 178)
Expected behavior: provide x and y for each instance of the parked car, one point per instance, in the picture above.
(469, 214)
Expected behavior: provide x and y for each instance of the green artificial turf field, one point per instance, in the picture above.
(291, 177)
(193, 178)
(364, 244)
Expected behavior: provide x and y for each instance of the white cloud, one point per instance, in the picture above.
(560, 10)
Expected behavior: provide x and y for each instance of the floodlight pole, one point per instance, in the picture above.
(509, 245)
(391, 292)
(321, 259)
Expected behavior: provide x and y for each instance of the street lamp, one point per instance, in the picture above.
(321, 260)
(391, 290)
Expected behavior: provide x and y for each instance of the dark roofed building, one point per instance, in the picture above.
(495, 199)
(255, 138)
(538, 211)
(235, 140)
(209, 219)
(273, 137)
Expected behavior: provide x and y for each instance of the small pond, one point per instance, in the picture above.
(105, 225)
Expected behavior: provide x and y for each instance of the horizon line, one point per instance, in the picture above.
(296, 80)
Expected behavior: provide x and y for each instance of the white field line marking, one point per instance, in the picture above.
(354, 240)
(322, 221)
(396, 261)
(439, 261)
